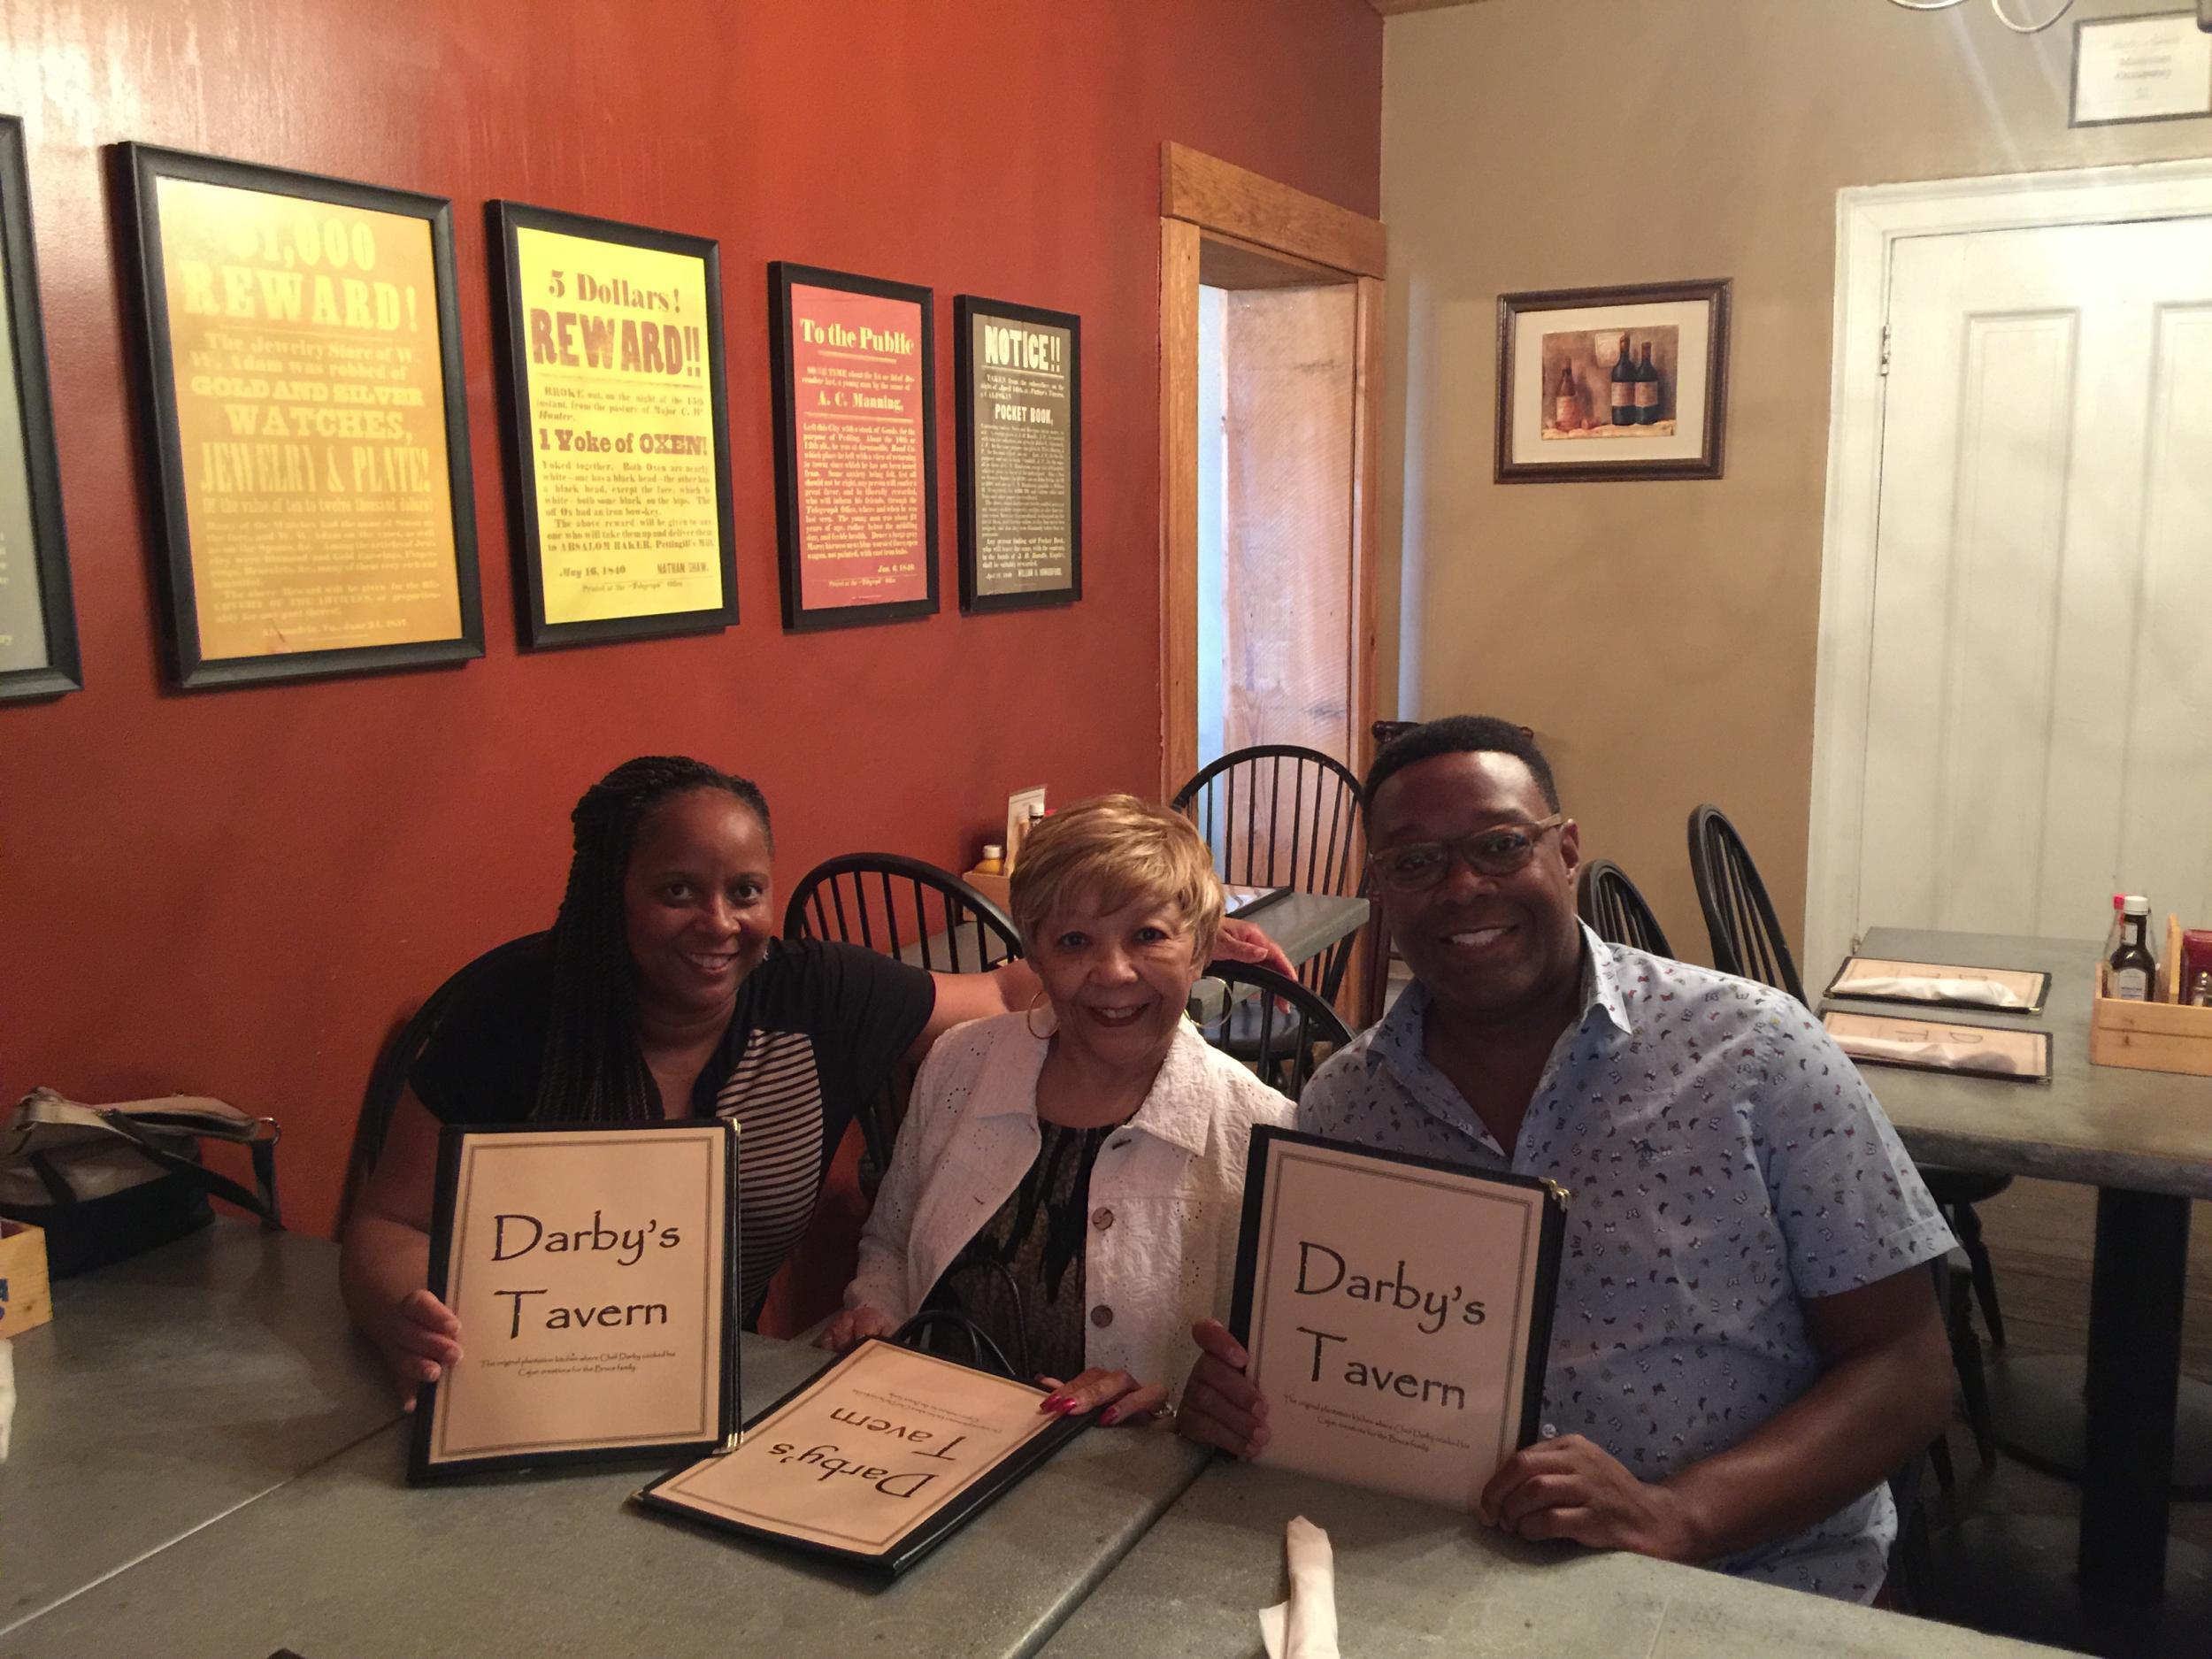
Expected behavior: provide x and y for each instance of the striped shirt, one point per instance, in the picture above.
(816, 1033)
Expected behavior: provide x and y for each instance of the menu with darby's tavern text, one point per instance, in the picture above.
(594, 1272)
(1397, 1311)
(876, 1461)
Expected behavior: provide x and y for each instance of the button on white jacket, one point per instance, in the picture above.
(1171, 1180)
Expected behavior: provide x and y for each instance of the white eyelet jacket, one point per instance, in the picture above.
(1166, 1194)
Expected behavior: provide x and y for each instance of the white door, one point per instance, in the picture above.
(2038, 729)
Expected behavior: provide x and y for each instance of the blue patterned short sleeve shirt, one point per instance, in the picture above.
(1725, 1161)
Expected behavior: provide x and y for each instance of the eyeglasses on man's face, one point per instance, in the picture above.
(1500, 850)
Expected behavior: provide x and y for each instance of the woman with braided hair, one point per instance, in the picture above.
(660, 992)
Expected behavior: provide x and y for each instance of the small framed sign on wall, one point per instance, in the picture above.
(2153, 67)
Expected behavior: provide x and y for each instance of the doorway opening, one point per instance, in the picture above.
(1271, 307)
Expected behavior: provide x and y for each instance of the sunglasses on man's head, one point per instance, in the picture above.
(1499, 851)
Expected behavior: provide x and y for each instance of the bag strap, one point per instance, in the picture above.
(915, 1334)
(262, 1204)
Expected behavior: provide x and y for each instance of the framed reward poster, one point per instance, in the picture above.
(875, 1462)
(38, 623)
(1397, 1311)
(618, 427)
(1612, 383)
(594, 1273)
(852, 363)
(309, 423)
(1020, 408)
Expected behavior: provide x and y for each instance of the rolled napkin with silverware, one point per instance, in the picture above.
(1956, 1057)
(1304, 1627)
(7, 1395)
(1981, 993)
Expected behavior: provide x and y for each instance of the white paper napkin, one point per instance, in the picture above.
(1952, 1055)
(7, 1394)
(1304, 1627)
(1984, 992)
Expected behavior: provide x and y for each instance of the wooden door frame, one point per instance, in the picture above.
(1204, 201)
(1870, 220)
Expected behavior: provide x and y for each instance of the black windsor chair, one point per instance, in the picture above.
(1277, 815)
(387, 1078)
(1616, 912)
(1747, 941)
(1275, 1025)
(905, 908)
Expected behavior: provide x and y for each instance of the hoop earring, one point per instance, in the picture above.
(1030, 1024)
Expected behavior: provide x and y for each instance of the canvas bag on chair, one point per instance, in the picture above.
(107, 1182)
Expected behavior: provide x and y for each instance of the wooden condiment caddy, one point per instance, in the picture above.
(995, 887)
(26, 1299)
(2161, 1036)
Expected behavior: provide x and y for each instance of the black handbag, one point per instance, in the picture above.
(109, 1182)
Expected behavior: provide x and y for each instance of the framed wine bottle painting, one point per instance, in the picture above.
(1612, 383)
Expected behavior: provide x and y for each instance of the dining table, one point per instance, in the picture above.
(2111, 1580)
(207, 1463)
(1416, 1581)
(167, 1392)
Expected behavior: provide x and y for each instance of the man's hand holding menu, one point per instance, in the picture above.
(1391, 1321)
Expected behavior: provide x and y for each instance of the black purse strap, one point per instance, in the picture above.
(916, 1331)
(261, 1148)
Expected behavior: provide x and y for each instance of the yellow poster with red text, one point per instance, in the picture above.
(618, 419)
(310, 421)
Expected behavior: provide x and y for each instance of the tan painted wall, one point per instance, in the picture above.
(1660, 637)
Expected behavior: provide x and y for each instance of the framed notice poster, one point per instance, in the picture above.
(853, 365)
(1020, 408)
(38, 623)
(874, 1461)
(308, 421)
(1397, 1311)
(618, 427)
(595, 1271)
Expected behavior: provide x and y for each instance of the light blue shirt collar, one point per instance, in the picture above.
(1398, 1038)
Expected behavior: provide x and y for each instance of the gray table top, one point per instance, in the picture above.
(350, 1559)
(1307, 924)
(2099, 1125)
(168, 1391)
(1416, 1580)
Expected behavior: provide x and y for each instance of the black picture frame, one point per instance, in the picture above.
(1711, 463)
(911, 1545)
(49, 555)
(503, 220)
(140, 168)
(965, 309)
(451, 1138)
(798, 617)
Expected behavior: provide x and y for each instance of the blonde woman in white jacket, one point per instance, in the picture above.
(1071, 1178)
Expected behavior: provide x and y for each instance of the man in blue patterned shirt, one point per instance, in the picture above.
(1746, 1343)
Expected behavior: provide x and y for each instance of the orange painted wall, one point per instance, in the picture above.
(236, 893)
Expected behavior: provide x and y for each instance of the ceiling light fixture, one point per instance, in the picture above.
(1998, 7)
